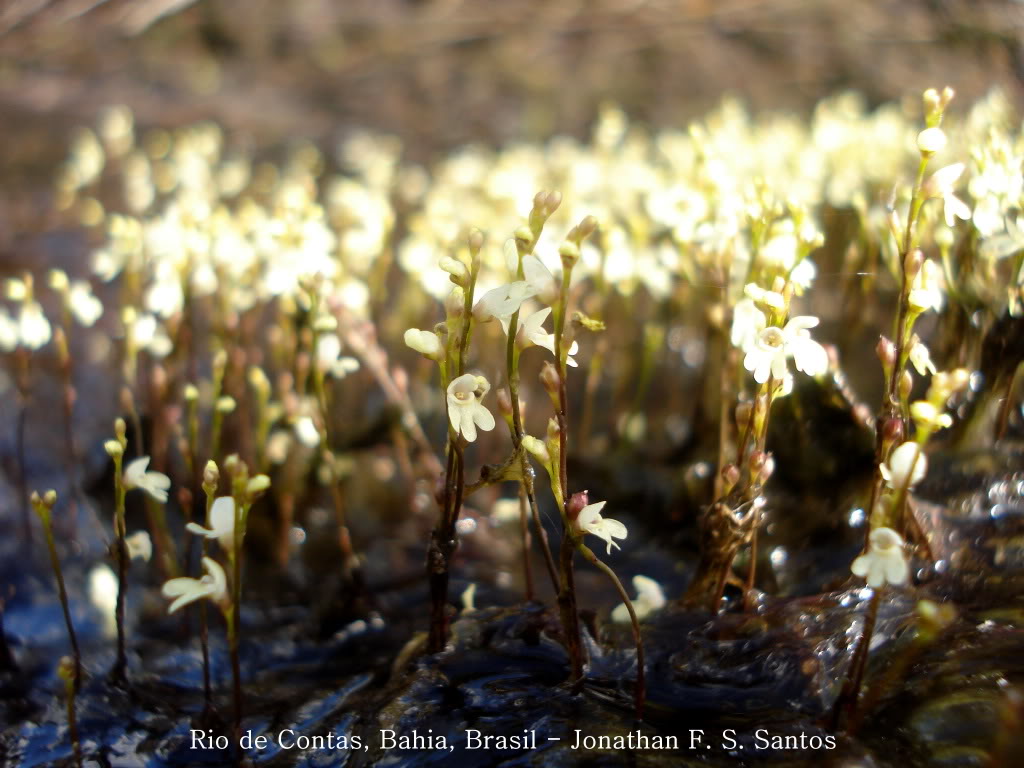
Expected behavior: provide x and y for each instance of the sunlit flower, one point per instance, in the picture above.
(139, 545)
(921, 359)
(768, 354)
(928, 417)
(906, 467)
(307, 432)
(590, 521)
(649, 598)
(503, 302)
(931, 140)
(427, 343)
(153, 483)
(940, 185)
(884, 562)
(747, 322)
(83, 304)
(329, 357)
(465, 410)
(222, 523)
(185, 590)
(926, 291)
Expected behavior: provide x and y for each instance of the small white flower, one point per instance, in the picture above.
(590, 521)
(531, 331)
(773, 299)
(747, 322)
(307, 432)
(153, 483)
(767, 356)
(926, 291)
(222, 523)
(927, 416)
(330, 360)
(185, 590)
(538, 276)
(649, 598)
(33, 327)
(469, 598)
(921, 359)
(940, 185)
(465, 411)
(8, 332)
(139, 545)
(884, 562)
(83, 304)
(906, 467)
(427, 343)
(503, 302)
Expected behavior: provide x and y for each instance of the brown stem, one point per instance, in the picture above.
(846, 704)
(568, 611)
(524, 534)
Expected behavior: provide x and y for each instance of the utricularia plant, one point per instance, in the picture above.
(512, 304)
(227, 519)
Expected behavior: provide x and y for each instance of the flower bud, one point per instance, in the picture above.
(120, 429)
(570, 253)
(576, 504)
(66, 670)
(459, 273)
(190, 393)
(912, 263)
(743, 413)
(906, 384)
(211, 476)
(225, 404)
(113, 448)
(536, 447)
(892, 431)
(258, 484)
(730, 476)
(930, 141)
(550, 379)
(886, 352)
(504, 402)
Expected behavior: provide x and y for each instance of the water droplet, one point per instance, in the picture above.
(779, 557)
(857, 517)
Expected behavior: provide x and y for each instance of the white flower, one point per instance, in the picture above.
(747, 322)
(83, 304)
(222, 523)
(503, 302)
(773, 299)
(590, 521)
(427, 343)
(153, 483)
(148, 334)
(767, 356)
(330, 360)
(927, 416)
(185, 590)
(531, 331)
(906, 466)
(8, 332)
(926, 290)
(307, 432)
(538, 276)
(920, 359)
(464, 408)
(884, 562)
(649, 598)
(33, 327)
(941, 185)
(139, 545)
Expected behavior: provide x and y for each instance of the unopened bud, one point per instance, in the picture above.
(257, 484)
(504, 402)
(912, 263)
(113, 448)
(225, 404)
(190, 393)
(892, 431)
(66, 670)
(743, 412)
(211, 476)
(536, 447)
(886, 352)
(550, 379)
(906, 385)
(476, 241)
(120, 429)
(930, 141)
(553, 430)
(455, 302)
(569, 252)
(730, 476)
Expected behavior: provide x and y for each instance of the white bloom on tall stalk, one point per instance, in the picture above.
(185, 590)
(535, 273)
(590, 521)
(926, 292)
(649, 598)
(465, 410)
(906, 467)
(222, 523)
(773, 346)
(330, 360)
(153, 483)
(33, 327)
(148, 334)
(940, 185)
(139, 545)
(427, 343)
(884, 562)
